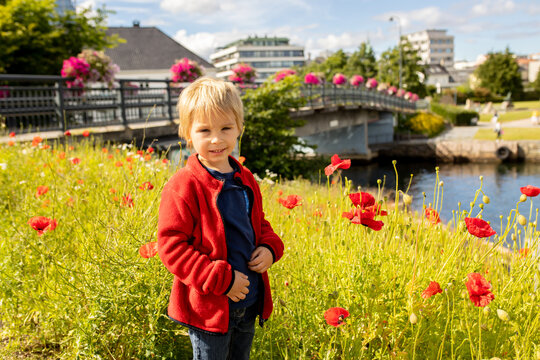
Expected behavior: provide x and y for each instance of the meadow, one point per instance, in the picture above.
(359, 279)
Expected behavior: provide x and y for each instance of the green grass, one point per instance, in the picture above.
(509, 133)
(509, 116)
(82, 291)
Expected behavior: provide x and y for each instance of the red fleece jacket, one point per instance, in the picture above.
(192, 245)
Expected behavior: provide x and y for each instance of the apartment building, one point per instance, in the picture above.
(265, 54)
(433, 46)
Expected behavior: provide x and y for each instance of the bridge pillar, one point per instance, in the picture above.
(348, 132)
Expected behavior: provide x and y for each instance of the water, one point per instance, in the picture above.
(501, 183)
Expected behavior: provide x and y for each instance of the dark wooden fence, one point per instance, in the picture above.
(31, 103)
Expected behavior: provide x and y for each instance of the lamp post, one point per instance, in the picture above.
(392, 18)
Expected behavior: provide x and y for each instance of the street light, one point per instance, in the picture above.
(392, 18)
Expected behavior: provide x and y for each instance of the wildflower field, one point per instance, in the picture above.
(362, 277)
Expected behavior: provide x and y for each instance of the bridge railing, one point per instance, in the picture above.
(30, 103)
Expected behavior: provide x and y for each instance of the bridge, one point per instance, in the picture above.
(345, 120)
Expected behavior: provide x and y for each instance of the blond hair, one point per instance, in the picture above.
(210, 99)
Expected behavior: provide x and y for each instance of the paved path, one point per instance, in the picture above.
(468, 132)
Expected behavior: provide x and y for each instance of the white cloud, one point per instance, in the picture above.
(204, 7)
(493, 7)
(205, 43)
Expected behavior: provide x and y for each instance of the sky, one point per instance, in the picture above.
(478, 26)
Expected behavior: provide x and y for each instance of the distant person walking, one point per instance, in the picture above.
(495, 118)
(498, 129)
(534, 117)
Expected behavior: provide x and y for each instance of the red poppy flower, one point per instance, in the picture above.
(12, 134)
(75, 161)
(376, 209)
(366, 218)
(104, 150)
(241, 159)
(118, 164)
(150, 150)
(336, 316)
(36, 141)
(479, 228)
(336, 163)
(479, 290)
(362, 199)
(86, 133)
(41, 190)
(524, 252)
(432, 216)
(530, 190)
(129, 159)
(433, 289)
(42, 224)
(11, 143)
(165, 161)
(67, 133)
(61, 155)
(147, 185)
(291, 201)
(149, 250)
(127, 200)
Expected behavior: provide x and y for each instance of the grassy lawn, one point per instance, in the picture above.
(522, 110)
(509, 134)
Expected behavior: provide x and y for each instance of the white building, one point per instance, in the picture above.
(265, 54)
(433, 46)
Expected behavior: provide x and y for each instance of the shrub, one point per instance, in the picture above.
(427, 124)
(454, 114)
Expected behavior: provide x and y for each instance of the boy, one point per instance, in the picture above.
(212, 234)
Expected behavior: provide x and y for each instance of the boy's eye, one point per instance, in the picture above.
(226, 128)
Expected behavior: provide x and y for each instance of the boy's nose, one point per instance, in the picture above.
(215, 139)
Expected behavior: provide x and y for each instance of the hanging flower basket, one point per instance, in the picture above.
(372, 83)
(312, 79)
(243, 74)
(339, 79)
(400, 93)
(280, 75)
(392, 90)
(185, 70)
(88, 67)
(357, 80)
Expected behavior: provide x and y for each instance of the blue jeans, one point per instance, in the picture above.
(234, 345)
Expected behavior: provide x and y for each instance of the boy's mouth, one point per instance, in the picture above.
(218, 151)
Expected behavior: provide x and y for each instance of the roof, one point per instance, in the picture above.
(436, 69)
(258, 40)
(148, 48)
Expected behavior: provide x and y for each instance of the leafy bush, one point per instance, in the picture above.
(454, 114)
(427, 124)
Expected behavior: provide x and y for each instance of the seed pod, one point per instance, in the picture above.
(485, 199)
(522, 220)
(523, 198)
(413, 318)
(503, 315)
(407, 199)
(514, 237)
(487, 311)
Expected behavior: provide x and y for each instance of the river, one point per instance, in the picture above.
(501, 182)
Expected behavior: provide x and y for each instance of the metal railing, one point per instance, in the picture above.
(30, 103)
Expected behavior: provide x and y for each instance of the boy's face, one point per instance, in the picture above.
(214, 141)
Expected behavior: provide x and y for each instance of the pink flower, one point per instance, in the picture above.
(185, 70)
(357, 80)
(312, 79)
(242, 74)
(391, 90)
(372, 83)
(280, 75)
(339, 79)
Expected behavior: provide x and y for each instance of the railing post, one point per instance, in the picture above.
(61, 104)
(123, 102)
(169, 100)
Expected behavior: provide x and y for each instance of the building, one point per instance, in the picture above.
(149, 53)
(438, 76)
(265, 54)
(433, 46)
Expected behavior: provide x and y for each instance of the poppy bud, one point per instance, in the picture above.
(485, 199)
(514, 237)
(407, 199)
(486, 310)
(522, 220)
(481, 206)
(441, 184)
(472, 204)
(481, 178)
(523, 198)
(503, 315)
(413, 318)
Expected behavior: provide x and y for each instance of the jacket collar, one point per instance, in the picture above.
(194, 166)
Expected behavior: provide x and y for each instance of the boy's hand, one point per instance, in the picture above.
(261, 260)
(239, 289)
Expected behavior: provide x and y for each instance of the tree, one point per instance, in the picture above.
(413, 72)
(500, 74)
(362, 62)
(35, 39)
(268, 141)
(332, 65)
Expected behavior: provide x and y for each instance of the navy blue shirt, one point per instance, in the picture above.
(233, 204)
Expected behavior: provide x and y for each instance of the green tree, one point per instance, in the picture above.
(413, 72)
(536, 83)
(35, 39)
(362, 62)
(268, 141)
(500, 74)
(332, 65)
